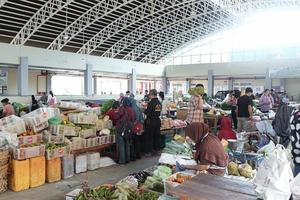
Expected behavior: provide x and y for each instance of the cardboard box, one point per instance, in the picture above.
(88, 133)
(83, 118)
(78, 143)
(28, 152)
(64, 130)
(32, 139)
(57, 153)
(55, 139)
(13, 124)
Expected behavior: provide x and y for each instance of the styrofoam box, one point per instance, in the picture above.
(93, 161)
(71, 195)
(67, 170)
(81, 164)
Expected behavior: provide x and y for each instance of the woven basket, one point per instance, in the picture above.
(3, 184)
(4, 157)
(4, 171)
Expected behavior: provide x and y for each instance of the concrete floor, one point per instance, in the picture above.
(57, 191)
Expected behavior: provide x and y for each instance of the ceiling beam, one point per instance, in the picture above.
(48, 10)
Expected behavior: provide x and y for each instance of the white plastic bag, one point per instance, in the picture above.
(274, 176)
(268, 149)
(296, 187)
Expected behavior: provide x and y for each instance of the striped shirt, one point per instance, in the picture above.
(195, 111)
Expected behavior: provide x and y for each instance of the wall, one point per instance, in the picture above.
(10, 54)
(230, 69)
(13, 81)
(292, 87)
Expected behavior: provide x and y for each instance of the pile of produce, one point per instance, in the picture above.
(100, 193)
(107, 105)
(142, 195)
(180, 178)
(177, 148)
(225, 106)
(196, 91)
(244, 170)
(51, 146)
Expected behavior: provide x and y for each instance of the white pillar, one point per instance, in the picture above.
(23, 76)
(210, 85)
(88, 80)
(165, 83)
(230, 84)
(132, 82)
(268, 84)
(282, 84)
(48, 83)
(95, 85)
(188, 85)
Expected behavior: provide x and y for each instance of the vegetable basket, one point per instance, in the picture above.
(4, 157)
(3, 184)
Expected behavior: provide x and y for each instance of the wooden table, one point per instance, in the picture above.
(210, 187)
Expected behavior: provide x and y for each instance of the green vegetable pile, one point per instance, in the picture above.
(225, 106)
(107, 105)
(143, 196)
(196, 91)
(177, 148)
(101, 193)
(51, 146)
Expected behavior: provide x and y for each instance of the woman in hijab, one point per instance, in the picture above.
(210, 154)
(226, 131)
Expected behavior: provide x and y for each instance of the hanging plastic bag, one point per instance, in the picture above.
(274, 176)
(268, 149)
(296, 187)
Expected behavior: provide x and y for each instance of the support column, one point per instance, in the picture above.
(95, 85)
(88, 80)
(188, 85)
(132, 82)
(23, 76)
(165, 83)
(48, 83)
(268, 84)
(282, 84)
(210, 85)
(230, 84)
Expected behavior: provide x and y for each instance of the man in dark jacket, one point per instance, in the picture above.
(152, 124)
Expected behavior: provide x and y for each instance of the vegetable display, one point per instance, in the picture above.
(107, 105)
(51, 146)
(177, 148)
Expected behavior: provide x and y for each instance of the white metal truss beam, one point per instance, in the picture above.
(2, 2)
(157, 24)
(48, 10)
(96, 13)
(144, 11)
(167, 42)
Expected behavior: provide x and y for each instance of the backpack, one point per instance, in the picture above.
(125, 127)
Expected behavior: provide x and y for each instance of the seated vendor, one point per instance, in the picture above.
(210, 154)
(8, 109)
(226, 131)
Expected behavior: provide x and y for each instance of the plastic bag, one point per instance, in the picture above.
(296, 187)
(7, 138)
(274, 176)
(54, 121)
(269, 148)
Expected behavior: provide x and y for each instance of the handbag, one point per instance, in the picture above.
(138, 128)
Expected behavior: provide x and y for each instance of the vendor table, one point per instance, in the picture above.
(212, 121)
(210, 187)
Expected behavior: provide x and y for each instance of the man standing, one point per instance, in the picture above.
(152, 124)
(244, 110)
(146, 97)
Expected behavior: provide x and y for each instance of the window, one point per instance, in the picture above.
(67, 85)
(111, 85)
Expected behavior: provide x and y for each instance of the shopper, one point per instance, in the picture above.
(34, 103)
(124, 125)
(113, 112)
(164, 104)
(275, 97)
(265, 102)
(233, 102)
(146, 97)
(210, 154)
(195, 110)
(121, 97)
(244, 110)
(295, 140)
(138, 121)
(152, 124)
(43, 99)
(52, 101)
(127, 94)
(226, 131)
(8, 109)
